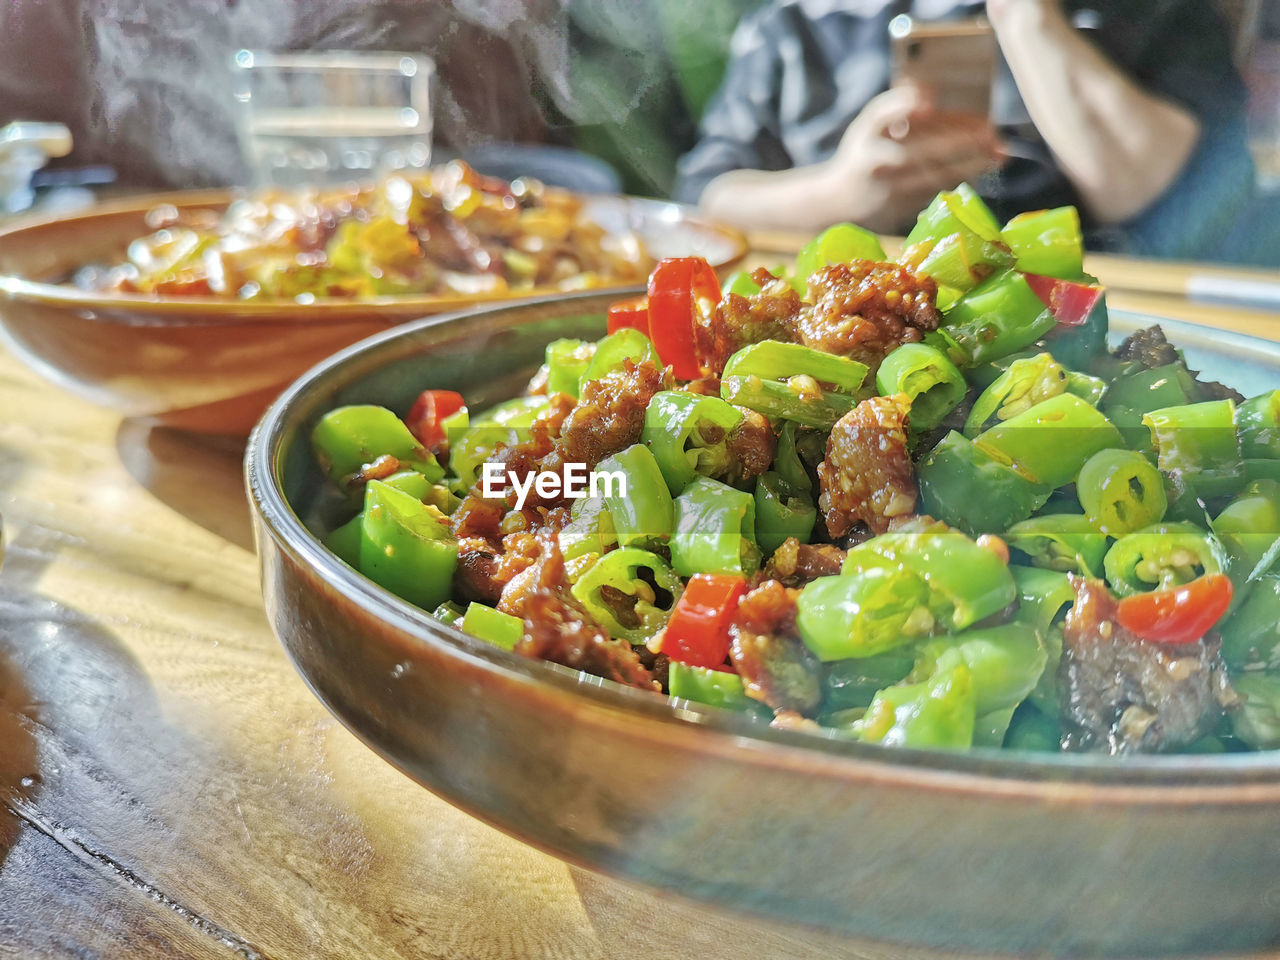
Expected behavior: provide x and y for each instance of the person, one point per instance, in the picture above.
(1130, 109)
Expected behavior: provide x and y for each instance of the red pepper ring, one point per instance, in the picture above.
(675, 287)
(1180, 615)
(629, 314)
(698, 631)
(427, 415)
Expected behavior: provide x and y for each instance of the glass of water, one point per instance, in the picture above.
(320, 118)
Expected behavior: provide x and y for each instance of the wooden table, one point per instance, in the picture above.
(168, 785)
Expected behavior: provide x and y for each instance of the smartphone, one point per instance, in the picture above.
(956, 59)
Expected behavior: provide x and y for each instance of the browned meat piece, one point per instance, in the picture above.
(478, 518)
(867, 475)
(557, 629)
(776, 667)
(866, 309)
(610, 414)
(1121, 694)
(738, 321)
(538, 451)
(751, 446)
(795, 563)
(473, 579)
(1149, 348)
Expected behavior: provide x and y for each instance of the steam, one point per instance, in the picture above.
(159, 78)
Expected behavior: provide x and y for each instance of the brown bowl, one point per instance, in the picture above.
(214, 364)
(985, 851)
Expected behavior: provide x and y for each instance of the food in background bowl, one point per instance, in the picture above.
(447, 231)
(916, 503)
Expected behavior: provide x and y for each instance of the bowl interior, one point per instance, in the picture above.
(488, 356)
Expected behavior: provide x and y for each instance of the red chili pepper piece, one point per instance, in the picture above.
(675, 287)
(1180, 615)
(698, 631)
(633, 314)
(426, 417)
(1070, 303)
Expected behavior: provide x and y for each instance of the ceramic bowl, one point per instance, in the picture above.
(988, 851)
(213, 365)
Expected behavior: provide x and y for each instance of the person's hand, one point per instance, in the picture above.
(900, 151)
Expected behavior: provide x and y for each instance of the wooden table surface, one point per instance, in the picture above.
(169, 786)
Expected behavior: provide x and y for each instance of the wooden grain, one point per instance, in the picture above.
(169, 787)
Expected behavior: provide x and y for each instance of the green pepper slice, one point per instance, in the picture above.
(717, 688)
(839, 243)
(687, 433)
(1250, 523)
(801, 399)
(493, 626)
(939, 712)
(1257, 721)
(774, 360)
(715, 530)
(1258, 423)
(405, 546)
(925, 375)
(999, 316)
(965, 487)
(1066, 542)
(1050, 442)
(641, 506)
(619, 595)
(611, 351)
(864, 613)
(1162, 556)
(1005, 662)
(1026, 382)
(567, 363)
(1047, 242)
(1120, 492)
(346, 439)
(967, 582)
(1199, 442)
(781, 515)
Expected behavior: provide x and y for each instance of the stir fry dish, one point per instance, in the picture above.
(915, 502)
(446, 231)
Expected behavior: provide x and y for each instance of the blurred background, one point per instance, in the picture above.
(667, 98)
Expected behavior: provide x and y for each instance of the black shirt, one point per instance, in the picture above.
(801, 70)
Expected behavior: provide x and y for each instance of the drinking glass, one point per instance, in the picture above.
(319, 118)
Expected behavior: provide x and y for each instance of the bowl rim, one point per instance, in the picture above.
(282, 310)
(1184, 779)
